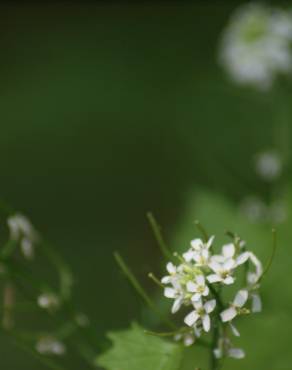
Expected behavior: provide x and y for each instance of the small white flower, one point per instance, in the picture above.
(48, 301)
(187, 338)
(199, 288)
(176, 293)
(255, 46)
(49, 345)
(229, 253)
(222, 272)
(172, 270)
(201, 312)
(21, 230)
(199, 251)
(235, 308)
(225, 349)
(268, 165)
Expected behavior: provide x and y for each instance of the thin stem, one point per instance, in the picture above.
(158, 236)
(139, 289)
(156, 281)
(271, 259)
(202, 230)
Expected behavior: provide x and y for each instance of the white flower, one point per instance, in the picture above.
(225, 349)
(172, 270)
(255, 46)
(268, 165)
(187, 338)
(201, 312)
(199, 251)
(177, 293)
(229, 253)
(235, 307)
(48, 301)
(254, 209)
(21, 230)
(222, 272)
(49, 345)
(199, 288)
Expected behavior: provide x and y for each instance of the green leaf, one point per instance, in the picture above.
(133, 349)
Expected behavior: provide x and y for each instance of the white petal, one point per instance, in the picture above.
(257, 263)
(188, 256)
(198, 305)
(218, 353)
(171, 268)
(166, 280)
(200, 279)
(210, 241)
(210, 305)
(205, 254)
(256, 303)
(234, 330)
(197, 244)
(228, 280)
(242, 258)
(241, 298)
(191, 287)
(215, 266)
(191, 318)
(228, 314)
(206, 291)
(213, 278)
(189, 339)
(237, 353)
(169, 292)
(196, 297)
(176, 305)
(206, 322)
(229, 264)
(218, 258)
(228, 250)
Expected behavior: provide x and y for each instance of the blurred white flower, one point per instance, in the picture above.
(236, 306)
(48, 301)
(254, 209)
(22, 231)
(187, 338)
(225, 349)
(49, 345)
(268, 165)
(255, 46)
(201, 312)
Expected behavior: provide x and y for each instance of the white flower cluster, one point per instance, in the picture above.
(22, 231)
(197, 282)
(255, 46)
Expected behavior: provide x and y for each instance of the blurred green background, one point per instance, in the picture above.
(110, 110)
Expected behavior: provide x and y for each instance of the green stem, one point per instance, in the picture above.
(139, 290)
(158, 236)
(271, 259)
(202, 230)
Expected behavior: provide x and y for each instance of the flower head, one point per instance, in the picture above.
(255, 46)
(22, 231)
(201, 312)
(235, 307)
